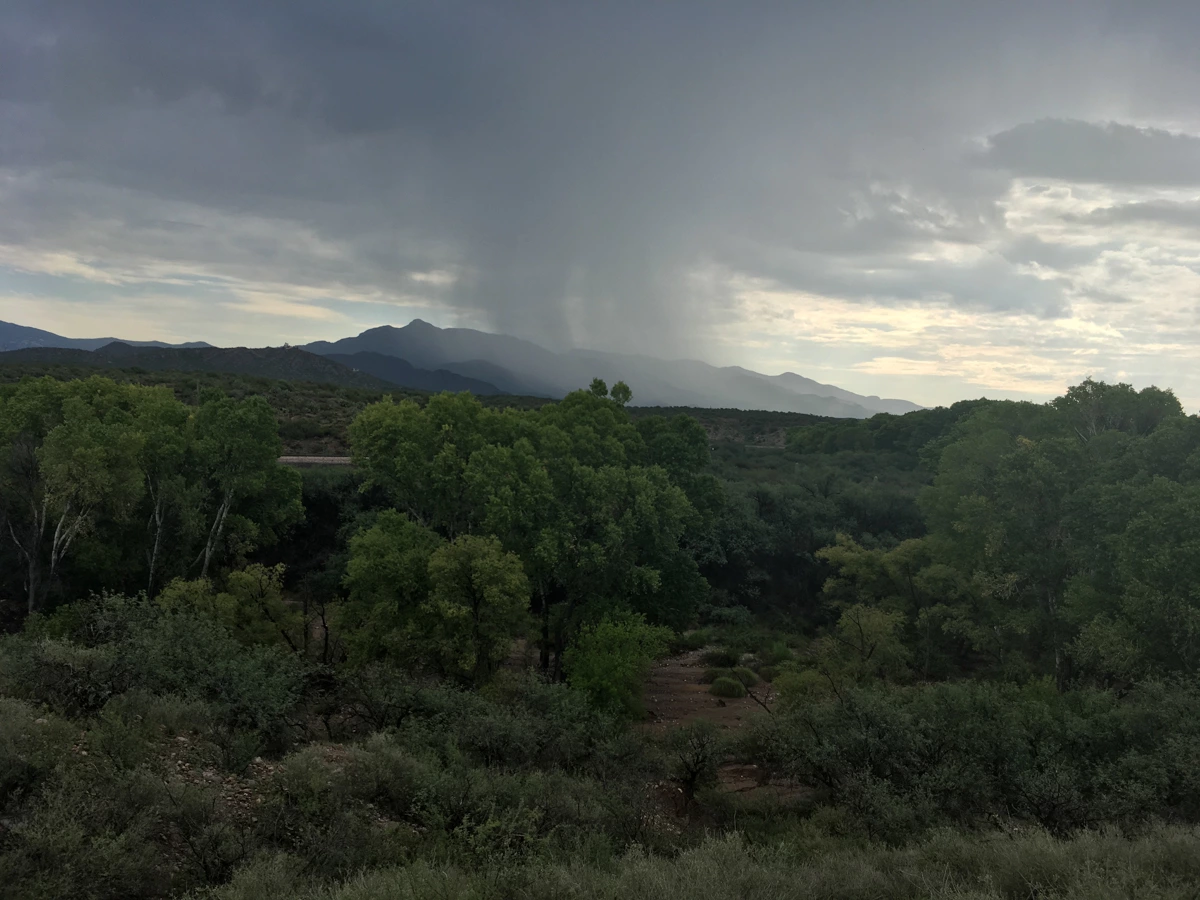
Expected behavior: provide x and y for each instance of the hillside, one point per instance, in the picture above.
(518, 366)
(18, 337)
(314, 418)
(403, 373)
(283, 363)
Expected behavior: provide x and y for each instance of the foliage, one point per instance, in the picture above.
(596, 516)
(122, 483)
(979, 623)
(727, 686)
(609, 661)
(906, 759)
(477, 606)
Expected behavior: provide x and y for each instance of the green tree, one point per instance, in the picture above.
(565, 488)
(165, 426)
(388, 580)
(251, 606)
(236, 450)
(478, 605)
(72, 454)
(609, 660)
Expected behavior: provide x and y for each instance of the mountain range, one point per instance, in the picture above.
(21, 337)
(517, 366)
(288, 363)
(421, 356)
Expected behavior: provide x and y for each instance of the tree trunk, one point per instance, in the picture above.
(544, 652)
(33, 580)
(157, 515)
(214, 533)
(31, 551)
(65, 532)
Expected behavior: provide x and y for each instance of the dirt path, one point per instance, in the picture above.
(676, 696)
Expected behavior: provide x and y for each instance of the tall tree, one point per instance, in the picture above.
(72, 453)
(236, 451)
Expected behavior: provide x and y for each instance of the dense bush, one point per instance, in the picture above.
(97, 649)
(726, 686)
(1162, 865)
(905, 759)
(610, 660)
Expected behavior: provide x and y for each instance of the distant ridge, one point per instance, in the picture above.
(400, 372)
(290, 363)
(518, 366)
(421, 356)
(20, 337)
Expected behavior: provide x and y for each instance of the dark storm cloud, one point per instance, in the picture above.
(570, 163)
(1101, 153)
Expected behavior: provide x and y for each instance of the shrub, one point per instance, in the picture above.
(775, 653)
(609, 661)
(117, 643)
(687, 641)
(32, 744)
(745, 676)
(695, 752)
(721, 658)
(727, 687)
(69, 678)
(711, 675)
(901, 760)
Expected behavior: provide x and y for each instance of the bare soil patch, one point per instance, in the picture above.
(676, 696)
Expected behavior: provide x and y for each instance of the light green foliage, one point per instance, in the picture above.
(129, 482)
(565, 488)
(477, 605)
(608, 662)
(388, 580)
(251, 606)
(247, 496)
(864, 646)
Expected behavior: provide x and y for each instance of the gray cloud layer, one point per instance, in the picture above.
(564, 170)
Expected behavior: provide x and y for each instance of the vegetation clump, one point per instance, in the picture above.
(727, 687)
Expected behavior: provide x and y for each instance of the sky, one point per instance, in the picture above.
(931, 200)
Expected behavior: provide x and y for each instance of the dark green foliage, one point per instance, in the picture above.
(899, 761)
(979, 625)
(98, 649)
(726, 686)
(745, 675)
(722, 658)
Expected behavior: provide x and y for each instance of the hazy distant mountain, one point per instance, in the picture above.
(404, 374)
(421, 356)
(290, 363)
(511, 364)
(18, 337)
(521, 367)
